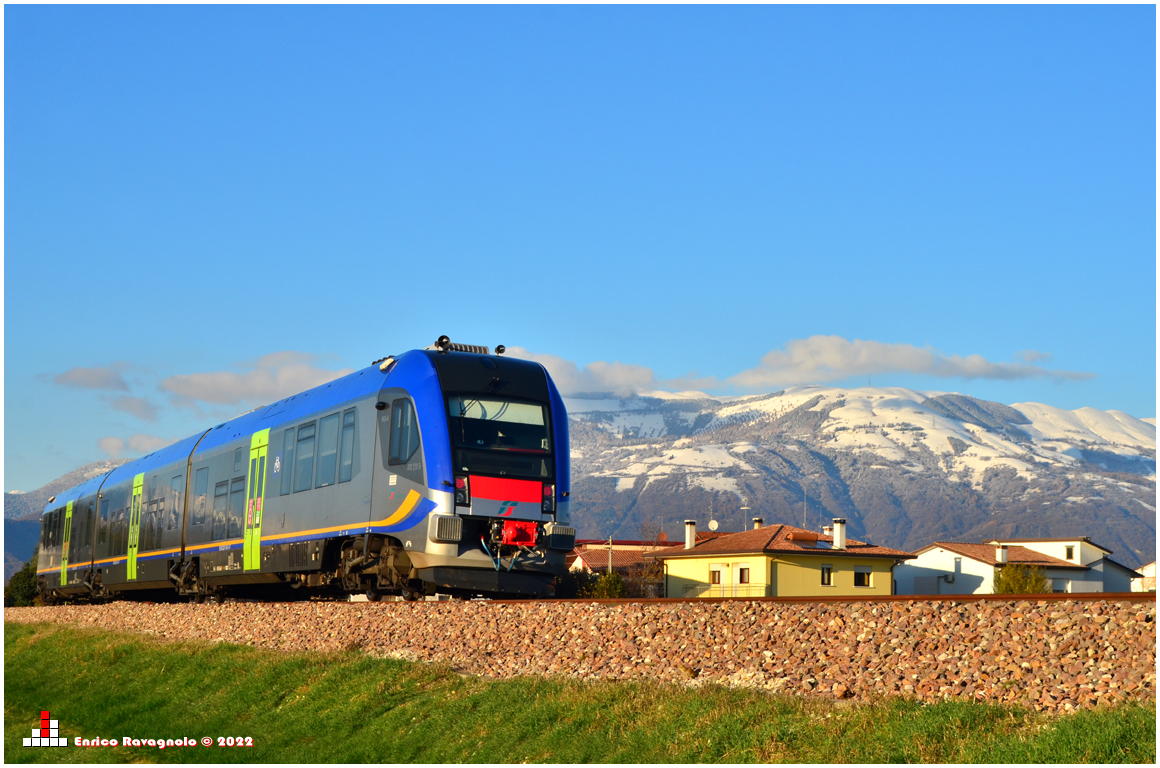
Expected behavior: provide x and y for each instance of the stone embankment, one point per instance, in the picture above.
(1057, 656)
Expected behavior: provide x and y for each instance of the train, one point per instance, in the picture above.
(439, 471)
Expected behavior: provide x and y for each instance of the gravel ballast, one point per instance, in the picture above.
(1048, 655)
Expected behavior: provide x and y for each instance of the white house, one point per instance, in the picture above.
(1112, 576)
(956, 568)
(1147, 580)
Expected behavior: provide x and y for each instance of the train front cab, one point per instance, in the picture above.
(487, 436)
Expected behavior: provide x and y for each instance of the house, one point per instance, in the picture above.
(777, 561)
(1147, 580)
(597, 560)
(1073, 564)
(591, 555)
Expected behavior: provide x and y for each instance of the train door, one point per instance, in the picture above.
(64, 548)
(252, 538)
(135, 525)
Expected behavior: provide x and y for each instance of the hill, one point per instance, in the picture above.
(903, 467)
(22, 512)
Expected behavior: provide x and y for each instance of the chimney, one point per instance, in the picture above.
(827, 530)
(690, 534)
(839, 533)
(1001, 554)
(757, 523)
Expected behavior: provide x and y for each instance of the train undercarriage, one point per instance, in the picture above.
(373, 565)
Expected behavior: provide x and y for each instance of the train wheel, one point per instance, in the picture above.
(219, 597)
(374, 595)
(199, 598)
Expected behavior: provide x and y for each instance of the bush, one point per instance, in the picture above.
(575, 584)
(607, 586)
(1019, 579)
(21, 588)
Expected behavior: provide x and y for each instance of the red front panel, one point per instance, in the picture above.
(504, 489)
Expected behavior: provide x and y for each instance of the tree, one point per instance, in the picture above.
(21, 588)
(607, 586)
(1020, 579)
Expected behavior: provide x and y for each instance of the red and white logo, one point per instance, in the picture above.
(47, 735)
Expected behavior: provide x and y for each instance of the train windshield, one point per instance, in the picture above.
(494, 436)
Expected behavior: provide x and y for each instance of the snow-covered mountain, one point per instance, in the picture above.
(904, 467)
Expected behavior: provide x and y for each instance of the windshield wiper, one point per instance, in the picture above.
(490, 388)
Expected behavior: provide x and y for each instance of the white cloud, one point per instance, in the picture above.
(269, 378)
(1031, 356)
(93, 378)
(829, 358)
(140, 407)
(620, 379)
(115, 447)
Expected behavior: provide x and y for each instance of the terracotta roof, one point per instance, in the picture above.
(597, 559)
(774, 539)
(985, 553)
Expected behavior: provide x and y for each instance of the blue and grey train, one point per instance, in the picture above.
(442, 470)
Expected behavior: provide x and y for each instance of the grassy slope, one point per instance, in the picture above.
(351, 708)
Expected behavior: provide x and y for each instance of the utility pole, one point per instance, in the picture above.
(610, 555)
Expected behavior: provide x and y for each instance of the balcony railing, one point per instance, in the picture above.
(727, 590)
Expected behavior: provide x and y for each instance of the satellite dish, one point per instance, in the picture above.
(662, 536)
(712, 525)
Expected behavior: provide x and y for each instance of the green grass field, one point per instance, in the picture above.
(349, 708)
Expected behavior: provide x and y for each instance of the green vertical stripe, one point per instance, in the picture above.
(65, 543)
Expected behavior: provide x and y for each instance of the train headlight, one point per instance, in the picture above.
(549, 504)
(462, 492)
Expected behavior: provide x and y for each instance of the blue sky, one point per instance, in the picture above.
(208, 206)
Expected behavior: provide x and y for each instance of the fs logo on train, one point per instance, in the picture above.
(47, 735)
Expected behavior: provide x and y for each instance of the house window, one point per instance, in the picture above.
(743, 577)
(1070, 552)
(827, 576)
(715, 576)
(861, 577)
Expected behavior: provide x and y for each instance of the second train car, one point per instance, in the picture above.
(442, 470)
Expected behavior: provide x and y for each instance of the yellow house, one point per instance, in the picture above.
(779, 561)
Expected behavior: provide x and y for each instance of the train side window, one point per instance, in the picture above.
(286, 462)
(237, 459)
(90, 513)
(346, 447)
(221, 493)
(327, 450)
(237, 505)
(304, 458)
(176, 488)
(146, 534)
(121, 533)
(404, 432)
(200, 489)
(103, 522)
